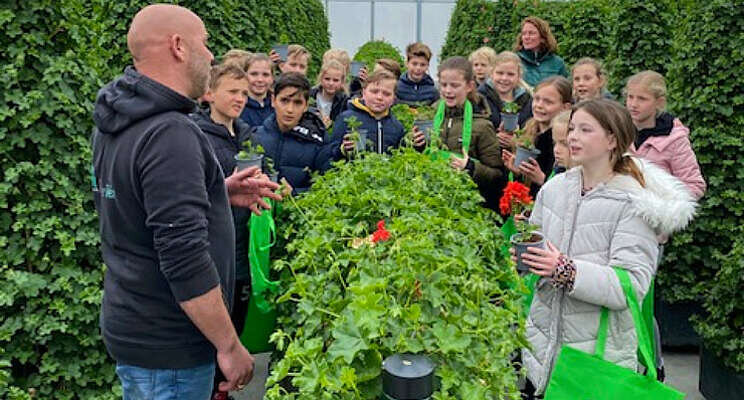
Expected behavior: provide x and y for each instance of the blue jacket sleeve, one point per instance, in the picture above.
(171, 169)
(339, 130)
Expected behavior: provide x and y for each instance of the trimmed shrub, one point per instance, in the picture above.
(706, 89)
(57, 54)
(374, 50)
(439, 285)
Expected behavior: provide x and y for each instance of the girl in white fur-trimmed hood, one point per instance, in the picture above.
(605, 212)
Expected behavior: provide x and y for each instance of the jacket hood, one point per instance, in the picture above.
(133, 97)
(663, 127)
(207, 125)
(426, 80)
(358, 104)
(664, 203)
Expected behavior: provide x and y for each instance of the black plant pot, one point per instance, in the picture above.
(674, 323)
(407, 377)
(717, 381)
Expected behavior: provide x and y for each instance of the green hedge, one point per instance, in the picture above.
(374, 50)
(56, 55)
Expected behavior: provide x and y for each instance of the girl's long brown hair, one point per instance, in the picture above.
(616, 121)
(463, 65)
(563, 87)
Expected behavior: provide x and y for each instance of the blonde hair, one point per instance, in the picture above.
(616, 122)
(256, 57)
(298, 50)
(510, 57)
(562, 118)
(563, 87)
(652, 81)
(548, 43)
(598, 68)
(339, 55)
(485, 52)
(379, 76)
(329, 65)
(238, 57)
(218, 72)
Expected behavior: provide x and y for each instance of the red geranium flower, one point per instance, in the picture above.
(381, 234)
(516, 196)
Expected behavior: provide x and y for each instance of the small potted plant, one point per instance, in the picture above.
(525, 148)
(356, 135)
(424, 119)
(271, 171)
(517, 202)
(249, 156)
(282, 48)
(510, 116)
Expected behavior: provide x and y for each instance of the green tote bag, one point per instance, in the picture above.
(581, 376)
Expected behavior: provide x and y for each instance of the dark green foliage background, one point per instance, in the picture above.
(55, 56)
(698, 45)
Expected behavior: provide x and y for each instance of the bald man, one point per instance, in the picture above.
(167, 236)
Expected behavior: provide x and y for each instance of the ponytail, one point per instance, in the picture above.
(627, 166)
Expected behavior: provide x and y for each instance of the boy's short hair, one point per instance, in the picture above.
(298, 50)
(218, 72)
(379, 76)
(488, 53)
(292, 80)
(418, 49)
(390, 65)
(237, 56)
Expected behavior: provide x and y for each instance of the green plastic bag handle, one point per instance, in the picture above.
(645, 345)
(262, 237)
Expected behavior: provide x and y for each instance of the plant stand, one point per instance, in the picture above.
(674, 323)
(717, 381)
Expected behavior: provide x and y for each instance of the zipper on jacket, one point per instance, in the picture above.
(379, 137)
(279, 149)
(563, 291)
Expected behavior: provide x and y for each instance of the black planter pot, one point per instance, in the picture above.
(717, 381)
(674, 323)
(407, 377)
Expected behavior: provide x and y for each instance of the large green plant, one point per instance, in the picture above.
(439, 285)
(722, 327)
(706, 94)
(56, 55)
(374, 50)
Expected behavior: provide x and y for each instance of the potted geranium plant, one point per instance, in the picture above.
(510, 116)
(517, 202)
(356, 135)
(525, 148)
(282, 48)
(249, 156)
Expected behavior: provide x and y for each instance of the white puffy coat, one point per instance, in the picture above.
(615, 224)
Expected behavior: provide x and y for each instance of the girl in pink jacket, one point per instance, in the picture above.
(661, 139)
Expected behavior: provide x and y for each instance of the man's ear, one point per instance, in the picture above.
(177, 46)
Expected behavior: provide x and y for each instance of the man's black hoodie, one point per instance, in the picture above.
(166, 228)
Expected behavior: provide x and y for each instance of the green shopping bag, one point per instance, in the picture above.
(578, 375)
(260, 318)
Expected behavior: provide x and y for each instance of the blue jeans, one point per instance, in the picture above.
(166, 384)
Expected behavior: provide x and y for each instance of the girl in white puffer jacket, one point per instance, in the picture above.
(605, 212)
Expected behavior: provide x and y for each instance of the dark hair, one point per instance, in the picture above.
(615, 120)
(293, 80)
(463, 65)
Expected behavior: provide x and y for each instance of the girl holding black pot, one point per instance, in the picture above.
(604, 213)
(552, 96)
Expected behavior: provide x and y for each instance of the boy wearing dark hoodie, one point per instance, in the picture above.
(294, 137)
(416, 87)
(226, 95)
(372, 110)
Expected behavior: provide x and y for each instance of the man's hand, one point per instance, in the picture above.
(247, 188)
(236, 364)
